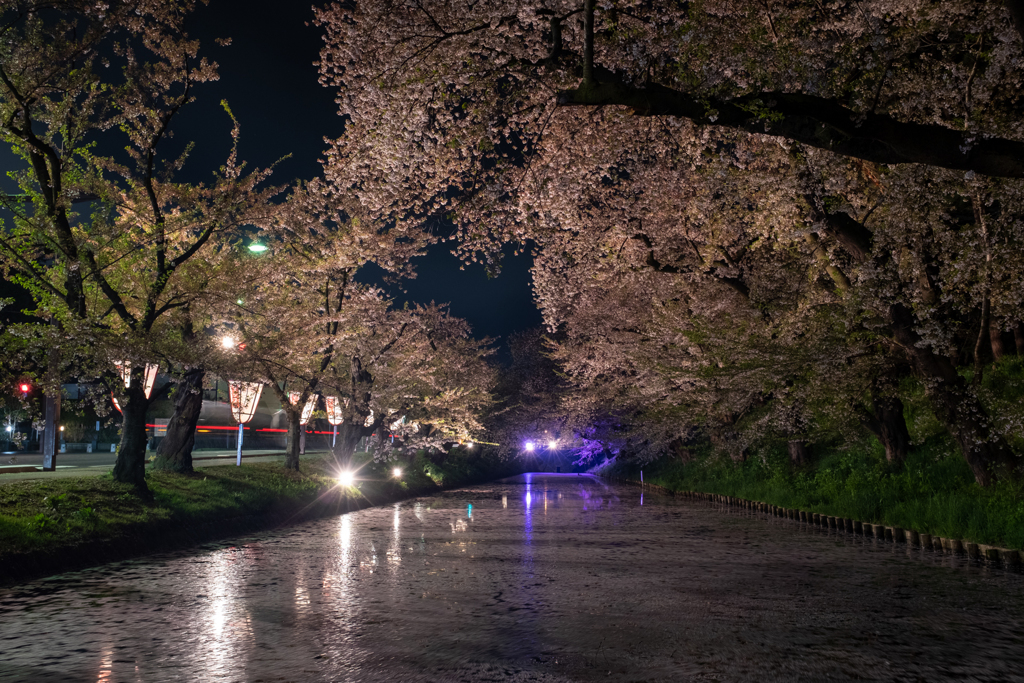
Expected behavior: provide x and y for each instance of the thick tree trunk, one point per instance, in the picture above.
(888, 424)
(291, 460)
(956, 405)
(348, 438)
(130, 466)
(353, 428)
(175, 451)
(798, 452)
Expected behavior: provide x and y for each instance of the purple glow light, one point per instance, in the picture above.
(529, 445)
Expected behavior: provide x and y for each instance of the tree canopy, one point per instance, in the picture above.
(755, 215)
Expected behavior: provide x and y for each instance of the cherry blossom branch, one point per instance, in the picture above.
(816, 122)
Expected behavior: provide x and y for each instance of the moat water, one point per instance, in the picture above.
(537, 578)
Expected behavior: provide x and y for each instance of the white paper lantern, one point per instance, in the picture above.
(245, 396)
(334, 404)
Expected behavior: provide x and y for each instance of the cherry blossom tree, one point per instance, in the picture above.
(756, 284)
(784, 181)
(414, 374)
(77, 81)
(294, 307)
(456, 107)
(530, 396)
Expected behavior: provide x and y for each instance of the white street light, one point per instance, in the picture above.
(552, 445)
(346, 478)
(397, 472)
(227, 342)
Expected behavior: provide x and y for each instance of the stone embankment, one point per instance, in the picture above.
(892, 534)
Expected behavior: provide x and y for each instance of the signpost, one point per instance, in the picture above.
(245, 396)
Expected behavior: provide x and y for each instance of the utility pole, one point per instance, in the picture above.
(51, 438)
(51, 434)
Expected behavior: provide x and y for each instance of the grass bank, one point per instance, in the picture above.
(64, 524)
(933, 491)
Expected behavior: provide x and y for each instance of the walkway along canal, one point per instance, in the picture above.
(536, 578)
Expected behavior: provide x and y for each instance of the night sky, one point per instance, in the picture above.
(268, 78)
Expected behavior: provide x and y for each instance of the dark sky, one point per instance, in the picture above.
(268, 78)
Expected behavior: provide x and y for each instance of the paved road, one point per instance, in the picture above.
(540, 578)
(89, 464)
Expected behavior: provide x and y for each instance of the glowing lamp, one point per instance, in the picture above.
(25, 388)
(552, 444)
(257, 248)
(346, 478)
(10, 428)
(529, 445)
(397, 472)
(469, 444)
(227, 342)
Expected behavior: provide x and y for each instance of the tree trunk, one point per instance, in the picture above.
(348, 438)
(353, 428)
(175, 451)
(888, 424)
(995, 335)
(956, 406)
(798, 453)
(291, 460)
(130, 466)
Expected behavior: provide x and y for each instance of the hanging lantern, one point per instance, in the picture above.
(245, 396)
(150, 378)
(307, 410)
(334, 405)
(124, 368)
(334, 415)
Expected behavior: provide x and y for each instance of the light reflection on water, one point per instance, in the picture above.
(464, 586)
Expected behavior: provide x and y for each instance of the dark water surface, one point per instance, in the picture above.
(538, 578)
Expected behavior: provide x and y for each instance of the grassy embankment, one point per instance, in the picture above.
(933, 491)
(49, 526)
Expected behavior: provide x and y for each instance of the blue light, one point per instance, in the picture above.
(469, 511)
